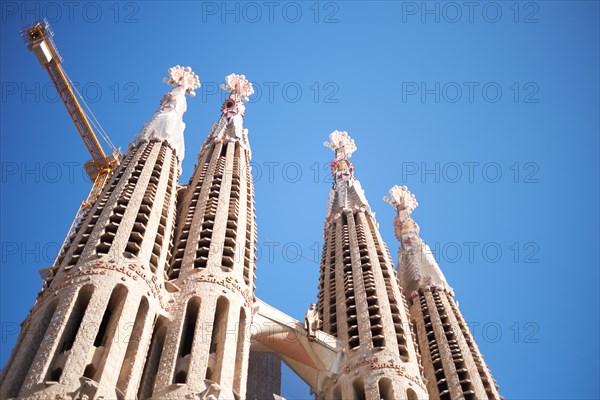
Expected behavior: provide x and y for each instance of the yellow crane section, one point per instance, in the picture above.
(100, 168)
(39, 40)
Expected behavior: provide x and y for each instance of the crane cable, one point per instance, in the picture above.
(94, 121)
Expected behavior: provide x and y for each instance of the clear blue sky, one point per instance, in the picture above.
(489, 115)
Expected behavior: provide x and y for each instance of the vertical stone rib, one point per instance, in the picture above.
(251, 233)
(326, 279)
(41, 364)
(489, 384)
(235, 232)
(191, 214)
(445, 353)
(137, 348)
(344, 280)
(216, 255)
(75, 363)
(114, 353)
(427, 345)
(362, 306)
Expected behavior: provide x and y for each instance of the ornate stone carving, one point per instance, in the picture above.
(212, 392)
(311, 321)
(347, 194)
(340, 141)
(230, 127)
(405, 203)
(376, 363)
(183, 78)
(238, 85)
(230, 283)
(86, 390)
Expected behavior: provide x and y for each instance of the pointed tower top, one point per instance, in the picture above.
(230, 127)
(184, 78)
(417, 266)
(167, 122)
(347, 194)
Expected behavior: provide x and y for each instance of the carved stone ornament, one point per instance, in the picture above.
(183, 77)
(402, 199)
(238, 85)
(341, 142)
(417, 266)
(212, 392)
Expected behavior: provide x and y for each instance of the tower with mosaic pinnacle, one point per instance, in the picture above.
(453, 366)
(359, 299)
(206, 347)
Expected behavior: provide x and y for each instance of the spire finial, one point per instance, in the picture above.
(341, 142)
(347, 193)
(418, 267)
(238, 85)
(239, 90)
(402, 199)
(184, 78)
(405, 203)
(343, 146)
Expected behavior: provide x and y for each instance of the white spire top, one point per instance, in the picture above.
(340, 141)
(167, 122)
(238, 85)
(402, 199)
(347, 195)
(184, 78)
(417, 266)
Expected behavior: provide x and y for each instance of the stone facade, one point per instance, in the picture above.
(153, 295)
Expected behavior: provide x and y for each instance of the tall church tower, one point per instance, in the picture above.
(205, 349)
(359, 299)
(453, 366)
(88, 332)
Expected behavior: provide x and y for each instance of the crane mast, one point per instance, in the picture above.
(100, 168)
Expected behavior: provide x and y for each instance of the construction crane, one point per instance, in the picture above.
(100, 168)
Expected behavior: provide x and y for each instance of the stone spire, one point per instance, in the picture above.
(417, 267)
(453, 367)
(230, 127)
(359, 299)
(347, 194)
(167, 122)
(205, 351)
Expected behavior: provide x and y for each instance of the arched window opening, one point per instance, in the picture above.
(182, 364)
(153, 358)
(217, 341)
